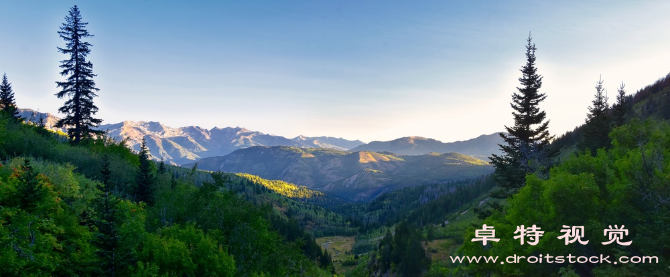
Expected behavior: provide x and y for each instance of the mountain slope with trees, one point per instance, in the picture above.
(626, 185)
(358, 176)
(63, 185)
(614, 171)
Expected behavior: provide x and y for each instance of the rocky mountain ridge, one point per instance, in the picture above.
(481, 147)
(191, 143)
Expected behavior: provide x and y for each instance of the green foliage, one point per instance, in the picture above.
(161, 167)
(184, 251)
(55, 220)
(306, 209)
(26, 140)
(40, 230)
(29, 189)
(627, 185)
(106, 221)
(281, 187)
(401, 252)
(234, 223)
(419, 205)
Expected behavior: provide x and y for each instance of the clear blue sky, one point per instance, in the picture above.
(369, 70)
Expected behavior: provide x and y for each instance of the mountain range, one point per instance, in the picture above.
(189, 144)
(481, 147)
(353, 175)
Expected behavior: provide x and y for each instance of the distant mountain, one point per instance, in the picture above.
(359, 175)
(189, 144)
(328, 142)
(481, 147)
(48, 119)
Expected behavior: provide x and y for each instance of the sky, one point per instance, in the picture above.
(368, 70)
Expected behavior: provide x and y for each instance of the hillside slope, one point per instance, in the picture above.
(358, 176)
(73, 211)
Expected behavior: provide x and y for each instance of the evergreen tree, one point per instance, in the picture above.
(414, 259)
(430, 233)
(326, 262)
(161, 167)
(620, 108)
(173, 180)
(79, 86)
(29, 189)
(598, 122)
(402, 252)
(525, 142)
(106, 174)
(107, 235)
(7, 102)
(145, 176)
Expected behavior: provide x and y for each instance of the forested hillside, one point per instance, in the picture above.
(359, 176)
(72, 210)
(626, 185)
(95, 186)
(609, 175)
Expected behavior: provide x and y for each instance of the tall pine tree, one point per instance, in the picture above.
(621, 107)
(598, 122)
(145, 176)
(523, 151)
(7, 102)
(107, 235)
(79, 86)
